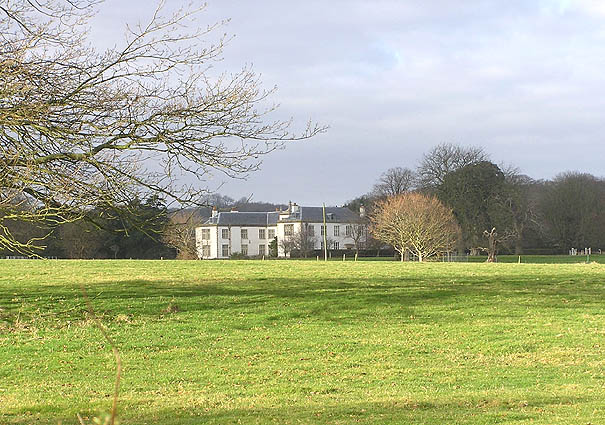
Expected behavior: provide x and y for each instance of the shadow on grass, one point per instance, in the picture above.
(485, 410)
(325, 298)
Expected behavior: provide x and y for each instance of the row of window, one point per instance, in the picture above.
(262, 250)
(262, 233)
(288, 231)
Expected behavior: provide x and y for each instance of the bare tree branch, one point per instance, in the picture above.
(415, 222)
(81, 128)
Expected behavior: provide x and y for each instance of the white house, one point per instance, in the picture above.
(250, 233)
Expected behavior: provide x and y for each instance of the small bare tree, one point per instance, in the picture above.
(359, 234)
(179, 234)
(415, 222)
(494, 240)
(80, 240)
(287, 245)
(304, 241)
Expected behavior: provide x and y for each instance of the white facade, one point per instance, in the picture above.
(231, 233)
(223, 241)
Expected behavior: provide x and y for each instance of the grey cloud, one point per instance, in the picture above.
(393, 78)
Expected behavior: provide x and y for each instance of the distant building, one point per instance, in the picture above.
(250, 233)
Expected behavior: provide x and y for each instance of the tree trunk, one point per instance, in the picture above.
(492, 242)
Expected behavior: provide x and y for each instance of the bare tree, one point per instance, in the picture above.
(304, 240)
(179, 234)
(81, 129)
(519, 208)
(287, 245)
(572, 208)
(415, 222)
(494, 240)
(79, 240)
(394, 181)
(444, 159)
(359, 234)
(219, 201)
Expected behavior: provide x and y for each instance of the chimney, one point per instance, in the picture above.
(294, 208)
(214, 212)
(362, 211)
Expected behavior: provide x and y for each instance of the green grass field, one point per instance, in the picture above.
(289, 342)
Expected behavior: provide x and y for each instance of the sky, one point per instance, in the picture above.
(524, 80)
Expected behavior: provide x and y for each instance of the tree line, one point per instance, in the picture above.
(148, 229)
(499, 205)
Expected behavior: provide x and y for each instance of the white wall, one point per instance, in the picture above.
(281, 236)
(235, 242)
(199, 242)
(253, 241)
(342, 239)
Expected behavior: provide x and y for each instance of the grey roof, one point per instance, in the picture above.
(244, 218)
(333, 214)
(306, 214)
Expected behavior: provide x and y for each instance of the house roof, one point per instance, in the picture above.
(315, 215)
(306, 214)
(244, 219)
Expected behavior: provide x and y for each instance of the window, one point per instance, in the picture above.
(288, 230)
(336, 230)
(205, 234)
(323, 230)
(225, 251)
(261, 250)
(206, 251)
(271, 233)
(261, 233)
(311, 230)
(336, 245)
(244, 233)
(322, 244)
(225, 233)
(348, 230)
(244, 249)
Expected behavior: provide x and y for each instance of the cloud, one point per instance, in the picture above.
(590, 7)
(393, 78)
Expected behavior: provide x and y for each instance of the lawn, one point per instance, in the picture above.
(291, 342)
